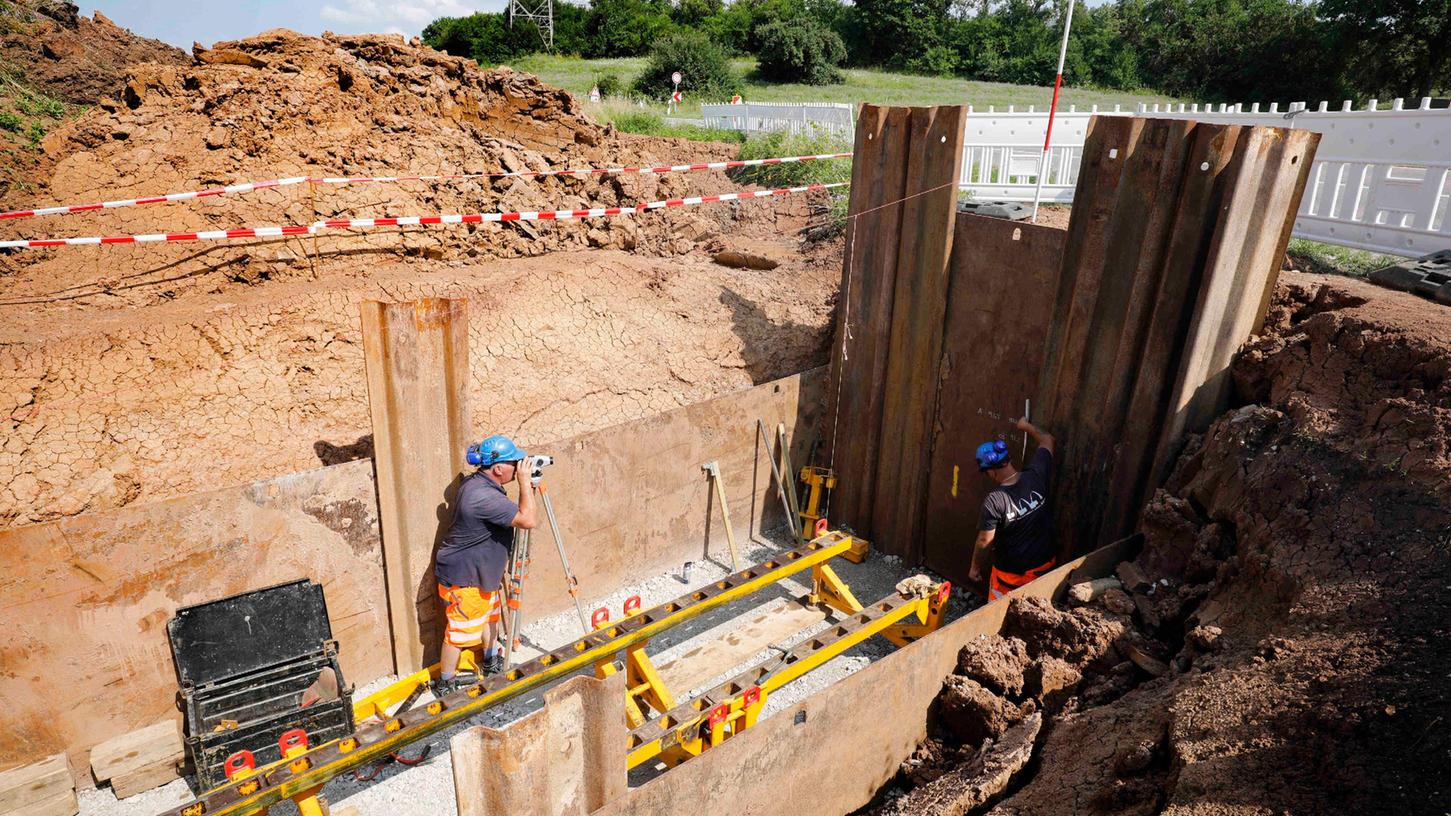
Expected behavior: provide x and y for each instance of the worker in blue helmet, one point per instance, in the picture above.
(474, 553)
(1015, 527)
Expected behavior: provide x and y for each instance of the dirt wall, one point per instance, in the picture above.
(88, 597)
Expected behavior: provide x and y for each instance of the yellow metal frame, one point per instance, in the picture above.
(311, 770)
(743, 709)
(644, 689)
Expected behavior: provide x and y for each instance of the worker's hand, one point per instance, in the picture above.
(521, 473)
(974, 574)
(1022, 424)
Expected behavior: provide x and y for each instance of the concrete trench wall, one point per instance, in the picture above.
(86, 599)
(851, 736)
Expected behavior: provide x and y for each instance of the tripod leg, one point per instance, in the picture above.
(570, 580)
(520, 560)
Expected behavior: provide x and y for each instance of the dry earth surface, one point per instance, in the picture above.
(136, 372)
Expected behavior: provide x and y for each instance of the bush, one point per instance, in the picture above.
(10, 122)
(795, 174)
(800, 50)
(939, 60)
(610, 85)
(704, 68)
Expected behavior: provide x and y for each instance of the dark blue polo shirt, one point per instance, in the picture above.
(475, 551)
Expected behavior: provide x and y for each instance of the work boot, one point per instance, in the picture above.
(494, 664)
(442, 688)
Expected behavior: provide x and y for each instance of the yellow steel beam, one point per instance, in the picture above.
(314, 768)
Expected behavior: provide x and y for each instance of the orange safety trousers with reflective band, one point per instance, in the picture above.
(469, 611)
(1001, 583)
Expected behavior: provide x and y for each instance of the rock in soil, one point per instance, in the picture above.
(996, 663)
(971, 712)
(975, 782)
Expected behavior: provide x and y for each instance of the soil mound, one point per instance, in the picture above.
(283, 105)
(73, 58)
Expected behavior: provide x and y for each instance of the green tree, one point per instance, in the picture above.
(486, 38)
(1396, 47)
(626, 28)
(801, 50)
(704, 66)
(891, 33)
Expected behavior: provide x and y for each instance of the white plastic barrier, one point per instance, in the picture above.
(1381, 179)
(754, 117)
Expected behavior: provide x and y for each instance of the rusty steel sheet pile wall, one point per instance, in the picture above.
(87, 598)
(1120, 331)
(1177, 234)
(1004, 276)
(416, 355)
(830, 754)
(889, 331)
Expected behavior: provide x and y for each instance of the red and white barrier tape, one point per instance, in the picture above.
(286, 182)
(408, 221)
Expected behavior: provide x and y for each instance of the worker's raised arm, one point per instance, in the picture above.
(528, 516)
(1043, 438)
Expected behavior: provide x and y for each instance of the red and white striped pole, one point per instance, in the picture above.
(1052, 110)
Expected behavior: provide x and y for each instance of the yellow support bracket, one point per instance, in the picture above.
(644, 689)
(828, 588)
(929, 616)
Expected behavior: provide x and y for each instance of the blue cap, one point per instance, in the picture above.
(497, 448)
(992, 455)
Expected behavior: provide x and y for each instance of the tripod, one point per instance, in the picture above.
(518, 570)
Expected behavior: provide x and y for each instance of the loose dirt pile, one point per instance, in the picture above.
(1293, 592)
(73, 58)
(134, 373)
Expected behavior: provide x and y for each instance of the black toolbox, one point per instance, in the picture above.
(244, 663)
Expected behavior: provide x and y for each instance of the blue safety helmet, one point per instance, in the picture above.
(992, 455)
(497, 448)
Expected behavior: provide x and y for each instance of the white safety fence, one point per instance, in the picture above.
(755, 117)
(1381, 180)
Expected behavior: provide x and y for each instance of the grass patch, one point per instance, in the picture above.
(576, 75)
(1327, 259)
(795, 174)
(630, 117)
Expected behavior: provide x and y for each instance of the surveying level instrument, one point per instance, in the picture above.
(518, 569)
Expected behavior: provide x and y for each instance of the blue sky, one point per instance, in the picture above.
(179, 22)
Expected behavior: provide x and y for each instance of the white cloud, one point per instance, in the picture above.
(404, 16)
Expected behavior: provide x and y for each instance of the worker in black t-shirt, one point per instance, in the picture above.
(1016, 521)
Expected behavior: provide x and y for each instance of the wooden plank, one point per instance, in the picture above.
(776, 621)
(38, 782)
(919, 305)
(879, 170)
(135, 750)
(999, 304)
(150, 777)
(61, 804)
